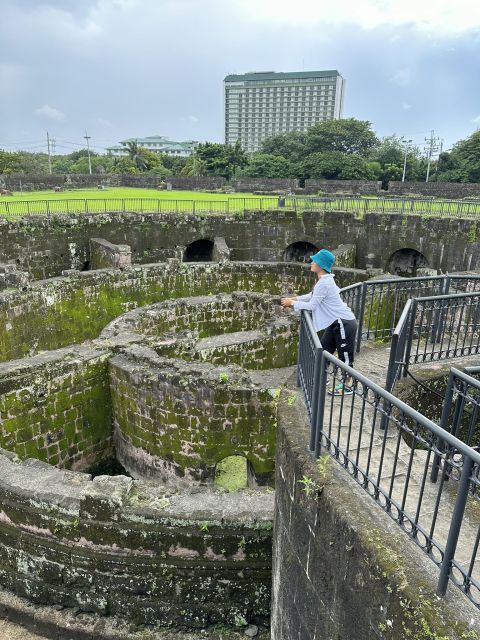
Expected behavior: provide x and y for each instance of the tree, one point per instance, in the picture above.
(125, 165)
(291, 146)
(221, 159)
(10, 162)
(194, 167)
(267, 165)
(136, 155)
(389, 150)
(336, 166)
(345, 136)
(463, 162)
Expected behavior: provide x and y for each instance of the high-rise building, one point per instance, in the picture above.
(265, 103)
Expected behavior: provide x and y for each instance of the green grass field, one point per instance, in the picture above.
(120, 193)
(78, 201)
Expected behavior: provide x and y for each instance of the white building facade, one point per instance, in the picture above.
(263, 104)
(157, 144)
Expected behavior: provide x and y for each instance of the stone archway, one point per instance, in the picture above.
(199, 251)
(299, 251)
(405, 262)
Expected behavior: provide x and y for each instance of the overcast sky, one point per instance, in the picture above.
(133, 68)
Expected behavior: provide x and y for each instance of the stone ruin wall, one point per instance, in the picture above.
(454, 190)
(46, 246)
(112, 546)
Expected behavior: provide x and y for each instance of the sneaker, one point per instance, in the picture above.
(341, 390)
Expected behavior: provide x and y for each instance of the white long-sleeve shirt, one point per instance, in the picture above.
(325, 303)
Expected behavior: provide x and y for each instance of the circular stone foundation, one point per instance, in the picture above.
(181, 401)
(171, 389)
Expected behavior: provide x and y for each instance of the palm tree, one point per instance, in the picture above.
(135, 154)
(194, 167)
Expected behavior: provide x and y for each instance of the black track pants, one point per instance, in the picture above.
(340, 337)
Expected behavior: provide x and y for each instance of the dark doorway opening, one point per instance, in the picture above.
(405, 262)
(199, 251)
(299, 252)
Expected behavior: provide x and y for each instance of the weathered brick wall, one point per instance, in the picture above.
(105, 255)
(192, 183)
(115, 548)
(47, 246)
(177, 420)
(361, 187)
(448, 244)
(58, 312)
(56, 407)
(435, 189)
(21, 182)
(340, 568)
(264, 185)
(203, 315)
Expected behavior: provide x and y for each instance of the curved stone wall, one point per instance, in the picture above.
(113, 546)
(54, 313)
(172, 388)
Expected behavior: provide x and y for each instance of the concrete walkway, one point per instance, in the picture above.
(385, 460)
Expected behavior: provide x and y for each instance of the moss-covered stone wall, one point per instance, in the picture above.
(114, 547)
(45, 246)
(55, 313)
(175, 420)
(56, 407)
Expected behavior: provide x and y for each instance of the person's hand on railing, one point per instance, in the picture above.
(288, 302)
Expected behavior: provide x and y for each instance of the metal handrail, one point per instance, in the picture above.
(354, 452)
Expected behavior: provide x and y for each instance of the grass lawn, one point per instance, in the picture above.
(120, 193)
(77, 201)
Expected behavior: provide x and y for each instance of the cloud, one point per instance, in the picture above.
(476, 120)
(193, 119)
(402, 78)
(406, 106)
(105, 123)
(439, 16)
(50, 113)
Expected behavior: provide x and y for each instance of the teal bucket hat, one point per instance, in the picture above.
(324, 259)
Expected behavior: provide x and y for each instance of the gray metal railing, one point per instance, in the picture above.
(397, 348)
(388, 448)
(355, 204)
(381, 303)
(442, 327)
(308, 369)
(460, 414)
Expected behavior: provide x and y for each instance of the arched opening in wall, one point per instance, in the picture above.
(232, 473)
(85, 266)
(299, 252)
(405, 262)
(199, 251)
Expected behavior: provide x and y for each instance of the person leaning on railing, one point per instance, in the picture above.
(330, 314)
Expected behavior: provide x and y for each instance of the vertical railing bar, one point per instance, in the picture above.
(455, 526)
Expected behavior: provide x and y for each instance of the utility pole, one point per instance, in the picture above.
(49, 158)
(431, 146)
(87, 138)
(407, 147)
